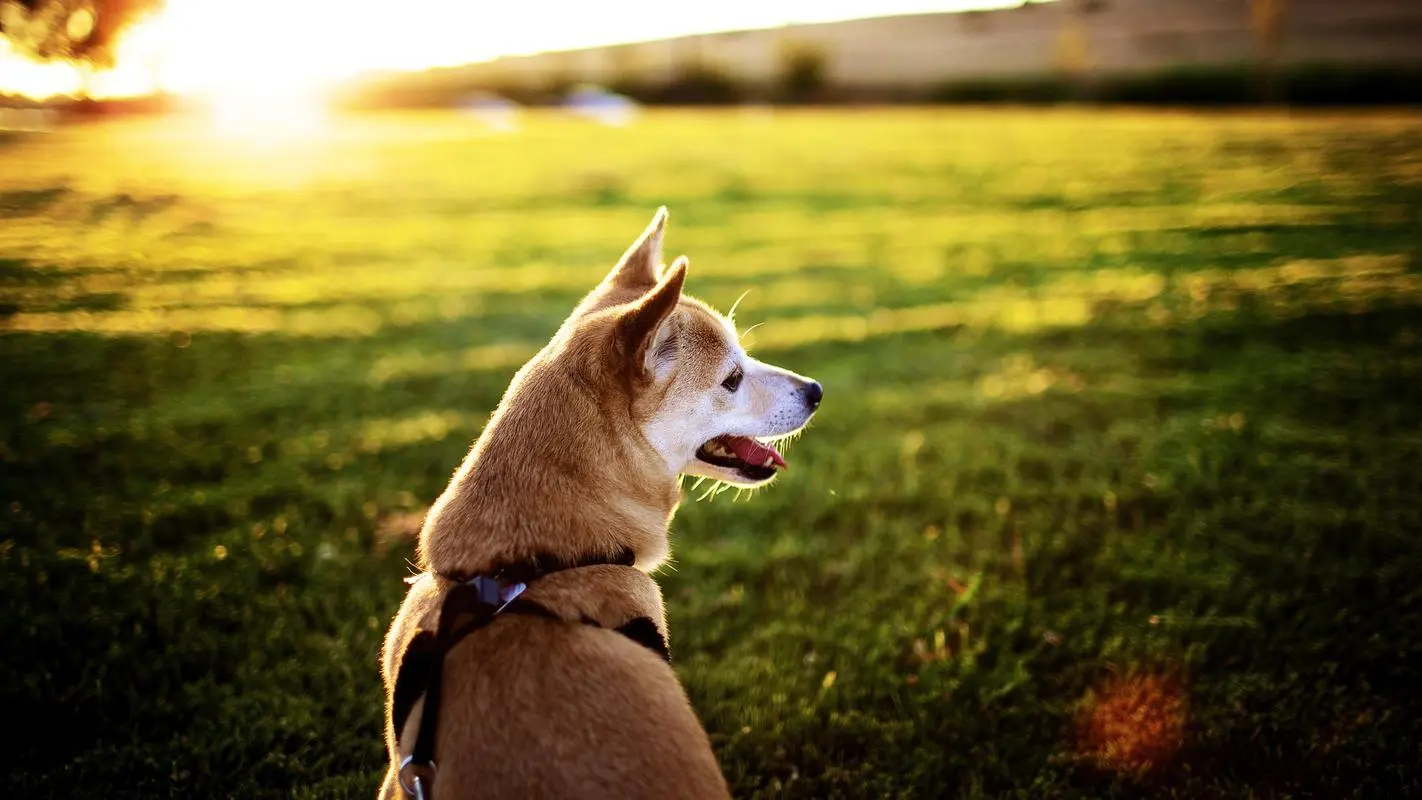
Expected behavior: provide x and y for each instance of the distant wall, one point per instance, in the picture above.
(1106, 36)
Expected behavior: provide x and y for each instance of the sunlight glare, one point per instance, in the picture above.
(34, 80)
(265, 114)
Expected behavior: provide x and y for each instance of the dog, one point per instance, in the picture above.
(564, 502)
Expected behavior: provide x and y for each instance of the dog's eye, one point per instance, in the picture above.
(733, 381)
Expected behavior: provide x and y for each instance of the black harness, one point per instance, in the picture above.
(472, 603)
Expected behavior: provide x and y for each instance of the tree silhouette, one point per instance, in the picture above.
(1074, 56)
(1267, 19)
(803, 71)
(73, 30)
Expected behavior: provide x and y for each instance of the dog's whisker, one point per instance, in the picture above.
(731, 315)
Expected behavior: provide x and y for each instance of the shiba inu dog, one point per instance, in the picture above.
(559, 687)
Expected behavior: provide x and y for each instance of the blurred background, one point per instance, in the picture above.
(1116, 304)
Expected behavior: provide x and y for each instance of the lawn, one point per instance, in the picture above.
(1115, 491)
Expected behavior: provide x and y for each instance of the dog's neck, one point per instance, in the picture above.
(551, 476)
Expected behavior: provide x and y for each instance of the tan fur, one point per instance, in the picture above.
(581, 457)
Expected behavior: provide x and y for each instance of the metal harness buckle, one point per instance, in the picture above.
(494, 593)
(420, 777)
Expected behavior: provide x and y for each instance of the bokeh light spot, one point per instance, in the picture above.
(1132, 723)
(79, 25)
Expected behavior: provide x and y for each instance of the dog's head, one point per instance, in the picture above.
(641, 384)
(702, 405)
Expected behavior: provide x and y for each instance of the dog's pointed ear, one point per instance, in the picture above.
(647, 339)
(638, 267)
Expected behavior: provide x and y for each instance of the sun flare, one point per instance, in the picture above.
(255, 66)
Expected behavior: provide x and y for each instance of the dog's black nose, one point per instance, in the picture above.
(813, 393)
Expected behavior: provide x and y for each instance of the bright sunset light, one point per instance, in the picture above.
(262, 50)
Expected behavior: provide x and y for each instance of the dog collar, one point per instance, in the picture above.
(531, 569)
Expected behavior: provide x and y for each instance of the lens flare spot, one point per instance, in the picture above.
(1132, 723)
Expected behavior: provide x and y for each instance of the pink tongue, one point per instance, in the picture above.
(753, 452)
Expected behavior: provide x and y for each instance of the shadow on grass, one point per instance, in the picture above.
(138, 208)
(20, 203)
(19, 272)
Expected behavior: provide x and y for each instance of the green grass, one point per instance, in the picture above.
(1120, 444)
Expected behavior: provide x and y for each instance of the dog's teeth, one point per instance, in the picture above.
(767, 462)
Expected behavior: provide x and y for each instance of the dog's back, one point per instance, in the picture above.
(567, 707)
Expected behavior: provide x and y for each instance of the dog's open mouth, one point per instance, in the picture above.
(755, 460)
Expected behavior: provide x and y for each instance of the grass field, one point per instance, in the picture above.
(1116, 489)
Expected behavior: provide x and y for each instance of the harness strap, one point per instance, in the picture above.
(418, 664)
(472, 604)
(478, 599)
(643, 631)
